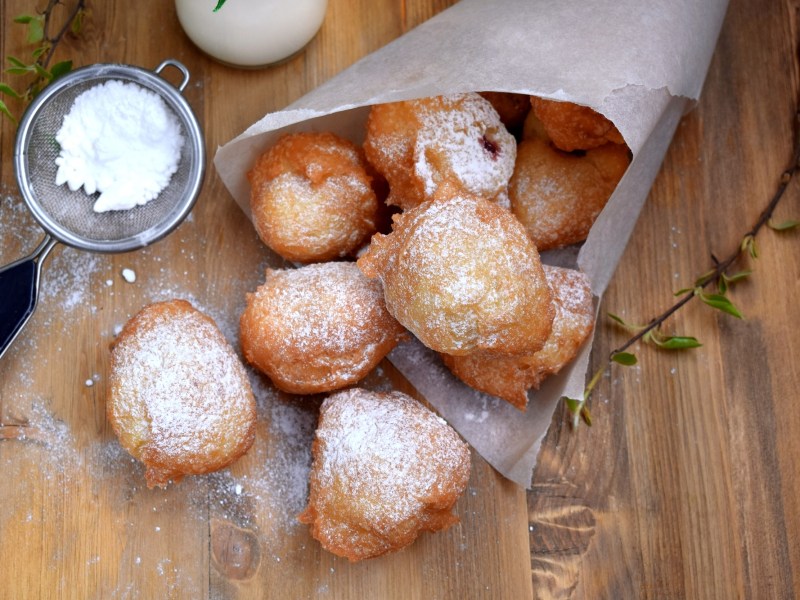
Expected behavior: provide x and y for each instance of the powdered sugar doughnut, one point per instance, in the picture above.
(311, 197)
(178, 397)
(385, 469)
(317, 328)
(510, 377)
(574, 127)
(462, 275)
(440, 144)
(557, 196)
(512, 108)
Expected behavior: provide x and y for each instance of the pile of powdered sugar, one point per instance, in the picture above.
(121, 140)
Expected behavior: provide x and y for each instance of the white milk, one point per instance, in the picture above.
(251, 33)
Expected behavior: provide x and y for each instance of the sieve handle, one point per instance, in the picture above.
(19, 290)
(178, 65)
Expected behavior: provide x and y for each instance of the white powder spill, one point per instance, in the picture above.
(262, 493)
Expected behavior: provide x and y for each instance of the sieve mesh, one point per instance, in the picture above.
(68, 215)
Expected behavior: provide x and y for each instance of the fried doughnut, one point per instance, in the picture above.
(510, 377)
(449, 143)
(574, 127)
(317, 328)
(311, 197)
(179, 399)
(557, 196)
(512, 108)
(462, 275)
(384, 469)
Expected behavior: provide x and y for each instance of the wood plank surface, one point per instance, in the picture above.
(684, 487)
(687, 484)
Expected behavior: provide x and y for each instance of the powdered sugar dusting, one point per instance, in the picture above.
(461, 274)
(190, 388)
(329, 315)
(391, 456)
(338, 213)
(462, 136)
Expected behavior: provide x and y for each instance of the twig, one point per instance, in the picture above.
(55, 40)
(578, 408)
(722, 266)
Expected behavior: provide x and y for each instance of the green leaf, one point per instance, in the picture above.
(783, 225)
(40, 50)
(572, 404)
(677, 342)
(24, 19)
(36, 30)
(700, 281)
(722, 303)
(4, 110)
(16, 62)
(749, 246)
(618, 319)
(683, 291)
(725, 280)
(76, 27)
(8, 90)
(579, 411)
(624, 358)
(19, 70)
(624, 323)
(737, 276)
(219, 5)
(61, 68)
(41, 71)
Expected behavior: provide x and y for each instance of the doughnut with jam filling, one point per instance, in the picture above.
(439, 144)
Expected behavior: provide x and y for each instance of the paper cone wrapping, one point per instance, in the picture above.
(641, 64)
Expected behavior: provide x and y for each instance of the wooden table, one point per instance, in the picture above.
(685, 486)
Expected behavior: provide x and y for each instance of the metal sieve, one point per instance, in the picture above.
(67, 216)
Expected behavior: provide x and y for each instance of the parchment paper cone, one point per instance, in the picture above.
(640, 63)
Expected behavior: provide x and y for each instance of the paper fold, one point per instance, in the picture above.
(640, 64)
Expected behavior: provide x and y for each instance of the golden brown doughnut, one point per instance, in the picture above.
(557, 196)
(510, 377)
(512, 108)
(317, 328)
(440, 144)
(574, 127)
(385, 469)
(312, 198)
(462, 275)
(179, 399)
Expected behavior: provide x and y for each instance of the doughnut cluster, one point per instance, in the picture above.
(485, 182)
(476, 186)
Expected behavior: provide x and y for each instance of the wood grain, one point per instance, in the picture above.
(686, 486)
(76, 519)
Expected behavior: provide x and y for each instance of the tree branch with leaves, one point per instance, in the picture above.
(45, 31)
(719, 277)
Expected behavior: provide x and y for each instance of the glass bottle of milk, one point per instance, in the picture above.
(251, 33)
